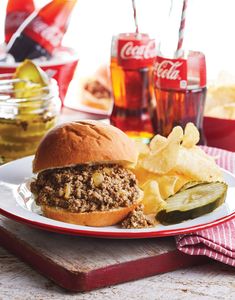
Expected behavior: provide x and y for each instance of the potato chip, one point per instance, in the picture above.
(180, 181)
(220, 100)
(176, 134)
(166, 185)
(142, 175)
(226, 111)
(165, 159)
(191, 136)
(158, 142)
(152, 200)
(142, 148)
(196, 164)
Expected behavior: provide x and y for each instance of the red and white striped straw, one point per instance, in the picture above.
(179, 51)
(135, 17)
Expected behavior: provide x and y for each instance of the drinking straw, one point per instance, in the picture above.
(179, 51)
(135, 17)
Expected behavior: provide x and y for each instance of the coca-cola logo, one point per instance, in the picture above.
(132, 51)
(170, 73)
(50, 33)
(168, 69)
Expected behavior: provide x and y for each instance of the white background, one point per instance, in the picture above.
(210, 27)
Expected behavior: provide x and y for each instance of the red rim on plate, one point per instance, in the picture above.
(102, 234)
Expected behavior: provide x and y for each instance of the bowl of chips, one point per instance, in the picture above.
(219, 120)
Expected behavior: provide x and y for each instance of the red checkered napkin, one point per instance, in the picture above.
(217, 242)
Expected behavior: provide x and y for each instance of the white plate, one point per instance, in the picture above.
(16, 203)
(87, 109)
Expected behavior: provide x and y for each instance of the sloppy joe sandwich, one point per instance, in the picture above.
(96, 90)
(84, 174)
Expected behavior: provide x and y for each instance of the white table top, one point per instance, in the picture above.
(210, 281)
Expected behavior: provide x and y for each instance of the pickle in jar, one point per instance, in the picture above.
(31, 85)
(29, 115)
(32, 80)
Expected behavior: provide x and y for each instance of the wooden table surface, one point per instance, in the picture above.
(210, 281)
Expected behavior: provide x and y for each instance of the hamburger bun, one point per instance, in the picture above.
(84, 142)
(95, 218)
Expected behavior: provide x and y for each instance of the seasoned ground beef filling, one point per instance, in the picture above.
(137, 219)
(86, 188)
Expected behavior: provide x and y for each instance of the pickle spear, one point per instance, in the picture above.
(193, 201)
(33, 79)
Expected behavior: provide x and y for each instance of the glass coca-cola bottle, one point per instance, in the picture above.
(17, 11)
(132, 56)
(180, 92)
(179, 83)
(44, 33)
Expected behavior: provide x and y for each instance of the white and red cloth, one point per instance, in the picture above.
(217, 242)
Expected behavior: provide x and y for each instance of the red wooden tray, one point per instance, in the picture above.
(82, 263)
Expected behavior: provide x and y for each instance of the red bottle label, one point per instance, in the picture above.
(135, 54)
(16, 12)
(14, 19)
(49, 36)
(170, 73)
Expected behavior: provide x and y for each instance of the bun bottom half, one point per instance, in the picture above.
(94, 219)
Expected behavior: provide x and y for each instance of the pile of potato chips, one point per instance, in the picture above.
(168, 163)
(220, 100)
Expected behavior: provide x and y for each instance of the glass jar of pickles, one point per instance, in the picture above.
(27, 112)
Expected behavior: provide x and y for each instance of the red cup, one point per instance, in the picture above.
(220, 133)
(61, 68)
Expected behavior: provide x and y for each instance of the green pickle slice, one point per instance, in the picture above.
(193, 200)
(33, 79)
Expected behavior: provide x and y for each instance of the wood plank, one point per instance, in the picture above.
(81, 264)
(208, 281)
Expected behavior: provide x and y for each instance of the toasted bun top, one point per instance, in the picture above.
(85, 142)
